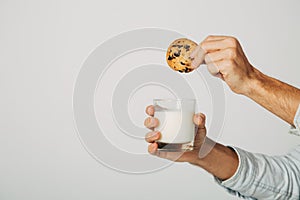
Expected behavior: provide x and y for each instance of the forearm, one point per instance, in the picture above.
(266, 177)
(279, 98)
(221, 161)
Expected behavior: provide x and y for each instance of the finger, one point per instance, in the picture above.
(195, 52)
(219, 75)
(151, 122)
(213, 68)
(199, 52)
(198, 59)
(199, 120)
(173, 156)
(152, 136)
(215, 37)
(152, 148)
(222, 67)
(211, 46)
(214, 45)
(228, 53)
(150, 110)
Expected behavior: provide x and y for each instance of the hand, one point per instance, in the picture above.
(225, 59)
(217, 159)
(189, 156)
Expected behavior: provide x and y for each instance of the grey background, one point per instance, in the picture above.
(44, 43)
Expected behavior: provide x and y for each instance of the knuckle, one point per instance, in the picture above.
(149, 149)
(229, 63)
(203, 45)
(232, 41)
(146, 122)
(207, 58)
(231, 53)
(149, 109)
(209, 37)
(148, 137)
(156, 121)
(203, 116)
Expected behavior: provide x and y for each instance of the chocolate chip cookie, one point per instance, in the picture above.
(178, 55)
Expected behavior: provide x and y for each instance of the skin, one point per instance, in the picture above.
(225, 59)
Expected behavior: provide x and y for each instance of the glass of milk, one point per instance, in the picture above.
(175, 124)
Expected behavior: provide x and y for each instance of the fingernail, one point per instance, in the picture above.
(151, 122)
(194, 64)
(193, 54)
(198, 119)
(152, 149)
(154, 122)
(153, 134)
(148, 109)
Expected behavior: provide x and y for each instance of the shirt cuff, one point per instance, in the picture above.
(244, 175)
(231, 181)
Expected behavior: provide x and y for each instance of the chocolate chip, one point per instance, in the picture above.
(187, 47)
(186, 70)
(177, 54)
(170, 57)
(182, 63)
(177, 45)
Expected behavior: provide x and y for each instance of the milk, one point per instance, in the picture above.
(176, 126)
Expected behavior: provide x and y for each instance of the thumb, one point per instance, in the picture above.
(197, 57)
(199, 121)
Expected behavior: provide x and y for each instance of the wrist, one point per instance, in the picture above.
(206, 152)
(255, 83)
(221, 161)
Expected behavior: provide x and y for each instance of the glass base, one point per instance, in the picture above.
(175, 147)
